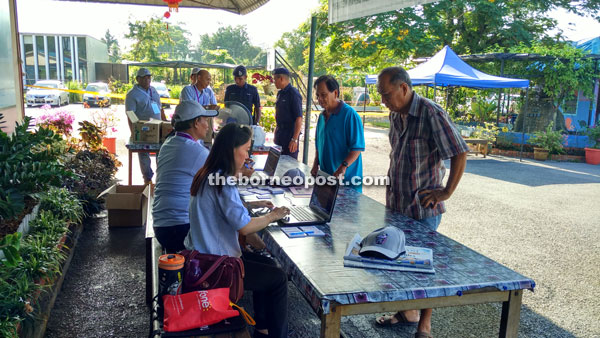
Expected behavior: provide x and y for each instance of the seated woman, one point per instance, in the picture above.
(218, 217)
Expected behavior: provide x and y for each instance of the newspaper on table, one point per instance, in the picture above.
(416, 259)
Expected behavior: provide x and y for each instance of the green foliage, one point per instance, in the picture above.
(9, 245)
(593, 133)
(91, 135)
(227, 43)
(488, 131)
(484, 111)
(74, 85)
(94, 172)
(371, 43)
(112, 47)
(267, 120)
(152, 41)
(176, 91)
(549, 139)
(63, 203)
(30, 162)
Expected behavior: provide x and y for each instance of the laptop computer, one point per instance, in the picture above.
(270, 165)
(319, 210)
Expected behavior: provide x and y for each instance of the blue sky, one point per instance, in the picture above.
(265, 25)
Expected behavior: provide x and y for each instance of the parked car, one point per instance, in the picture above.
(163, 91)
(97, 100)
(53, 97)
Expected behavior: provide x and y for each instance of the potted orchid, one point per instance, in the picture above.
(107, 121)
(59, 121)
(266, 81)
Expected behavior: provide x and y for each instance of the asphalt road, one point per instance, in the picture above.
(540, 219)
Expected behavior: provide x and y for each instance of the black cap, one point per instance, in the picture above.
(281, 71)
(239, 71)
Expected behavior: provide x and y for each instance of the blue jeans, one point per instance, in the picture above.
(145, 166)
(432, 222)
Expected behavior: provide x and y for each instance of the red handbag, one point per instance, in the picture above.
(199, 308)
(206, 271)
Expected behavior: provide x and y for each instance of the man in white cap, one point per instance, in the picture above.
(144, 101)
(203, 94)
(180, 157)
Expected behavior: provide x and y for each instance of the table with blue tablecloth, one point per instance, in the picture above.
(315, 265)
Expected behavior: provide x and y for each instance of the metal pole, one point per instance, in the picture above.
(434, 91)
(500, 91)
(364, 103)
(311, 65)
(523, 130)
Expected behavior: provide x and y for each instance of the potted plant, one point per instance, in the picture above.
(592, 155)
(266, 81)
(59, 121)
(547, 142)
(106, 120)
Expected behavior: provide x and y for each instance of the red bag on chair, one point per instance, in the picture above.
(206, 271)
(197, 309)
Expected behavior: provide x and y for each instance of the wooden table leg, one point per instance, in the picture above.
(511, 314)
(331, 323)
(130, 163)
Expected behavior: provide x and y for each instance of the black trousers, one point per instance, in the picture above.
(171, 238)
(268, 284)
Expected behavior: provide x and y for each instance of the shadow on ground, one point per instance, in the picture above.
(103, 294)
(520, 172)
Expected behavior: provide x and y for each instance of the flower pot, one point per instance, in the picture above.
(110, 143)
(540, 154)
(592, 156)
(269, 89)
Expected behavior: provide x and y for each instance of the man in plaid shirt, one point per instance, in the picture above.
(422, 136)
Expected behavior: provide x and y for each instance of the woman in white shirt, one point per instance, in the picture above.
(218, 217)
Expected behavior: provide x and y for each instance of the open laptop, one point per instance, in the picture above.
(319, 211)
(270, 165)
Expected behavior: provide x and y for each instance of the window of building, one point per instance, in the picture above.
(67, 58)
(41, 57)
(82, 59)
(52, 56)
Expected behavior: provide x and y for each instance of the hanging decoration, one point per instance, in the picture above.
(173, 5)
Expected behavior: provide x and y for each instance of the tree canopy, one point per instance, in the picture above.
(112, 47)
(233, 40)
(152, 41)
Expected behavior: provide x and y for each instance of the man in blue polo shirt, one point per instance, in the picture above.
(288, 113)
(144, 101)
(340, 138)
(203, 94)
(244, 93)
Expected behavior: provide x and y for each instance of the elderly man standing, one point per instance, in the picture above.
(422, 136)
(144, 101)
(244, 93)
(203, 94)
(288, 113)
(180, 158)
(340, 138)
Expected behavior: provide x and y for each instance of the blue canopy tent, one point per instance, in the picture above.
(447, 69)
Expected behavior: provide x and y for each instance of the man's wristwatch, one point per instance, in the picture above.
(295, 139)
(345, 164)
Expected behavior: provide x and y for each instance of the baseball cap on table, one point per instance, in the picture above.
(239, 71)
(187, 110)
(195, 70)
(143, 72)
(385, 243)
(289, 178)
(281, 71)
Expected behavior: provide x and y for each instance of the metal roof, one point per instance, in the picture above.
(234, 6)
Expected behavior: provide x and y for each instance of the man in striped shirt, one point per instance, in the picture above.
(422, 136)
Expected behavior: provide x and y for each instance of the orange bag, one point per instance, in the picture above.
(196, 309)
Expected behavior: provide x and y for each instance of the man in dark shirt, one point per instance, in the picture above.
(244, 93)
(288, 113)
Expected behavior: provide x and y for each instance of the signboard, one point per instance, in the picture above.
(342, 10)
(270, 59)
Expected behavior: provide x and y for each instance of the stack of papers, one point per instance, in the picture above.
(416, 259)
(304, 231)
(301, 191)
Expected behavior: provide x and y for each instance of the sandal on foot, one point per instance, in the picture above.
(421, 334)
(400, 317)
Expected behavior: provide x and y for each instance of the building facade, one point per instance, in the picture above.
(60, 57)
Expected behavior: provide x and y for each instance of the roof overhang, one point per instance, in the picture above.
(234, 6)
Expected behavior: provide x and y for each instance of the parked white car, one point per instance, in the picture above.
(97, 100)
(53, 97)
(162, 91)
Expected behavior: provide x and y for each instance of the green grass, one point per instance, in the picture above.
(379, 124)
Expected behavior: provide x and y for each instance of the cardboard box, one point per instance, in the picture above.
(165, 129)
(146, 131)
(127, 205)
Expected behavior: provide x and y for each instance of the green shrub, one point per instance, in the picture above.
(267, 119)
(549, 139)
(176, 91)
(62, 203)
(74, 85)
